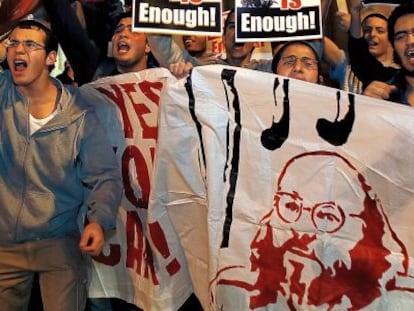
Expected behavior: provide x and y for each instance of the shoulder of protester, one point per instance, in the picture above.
(260, 65)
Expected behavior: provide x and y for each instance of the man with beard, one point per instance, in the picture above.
(324, 245)
(400, 88)
(316, 241)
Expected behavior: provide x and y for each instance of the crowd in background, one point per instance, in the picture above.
(355, 42)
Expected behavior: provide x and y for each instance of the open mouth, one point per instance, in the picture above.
(123, 47)
(410, 54)
(372, 43)
(19, 65)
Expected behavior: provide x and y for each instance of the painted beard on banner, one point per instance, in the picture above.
(311, 248)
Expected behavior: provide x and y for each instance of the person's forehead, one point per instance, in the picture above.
(32, 33)
(405, 21)
(127, 21)
(375, 21)
(298, 50)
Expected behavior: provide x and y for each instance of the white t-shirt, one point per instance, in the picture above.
(36, 124)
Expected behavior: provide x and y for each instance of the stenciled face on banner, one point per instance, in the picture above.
(313, 250)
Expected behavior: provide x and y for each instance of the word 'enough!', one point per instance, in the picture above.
(189, 18)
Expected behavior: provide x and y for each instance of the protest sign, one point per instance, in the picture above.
(177, 16)
(268, 20)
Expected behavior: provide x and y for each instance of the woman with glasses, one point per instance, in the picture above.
(298, 60)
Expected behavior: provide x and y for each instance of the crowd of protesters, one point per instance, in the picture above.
(366, 56)
(377, 61)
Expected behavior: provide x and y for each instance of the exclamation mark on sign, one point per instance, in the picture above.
(212, 17)
(312, 24)
(160, 243)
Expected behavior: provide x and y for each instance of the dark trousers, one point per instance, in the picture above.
(60, 266)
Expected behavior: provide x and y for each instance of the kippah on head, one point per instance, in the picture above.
(30, 20)
(51, 43)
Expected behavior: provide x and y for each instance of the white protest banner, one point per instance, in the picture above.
(268, 20)
(177, 16)
(142, 263)
(287, 195)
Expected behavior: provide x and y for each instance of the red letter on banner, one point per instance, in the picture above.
(138, 250)
(118, 99)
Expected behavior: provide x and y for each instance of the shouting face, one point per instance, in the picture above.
(404, 41)
(238, 54)
(26, 56)
(129, 49)
(376, 35)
